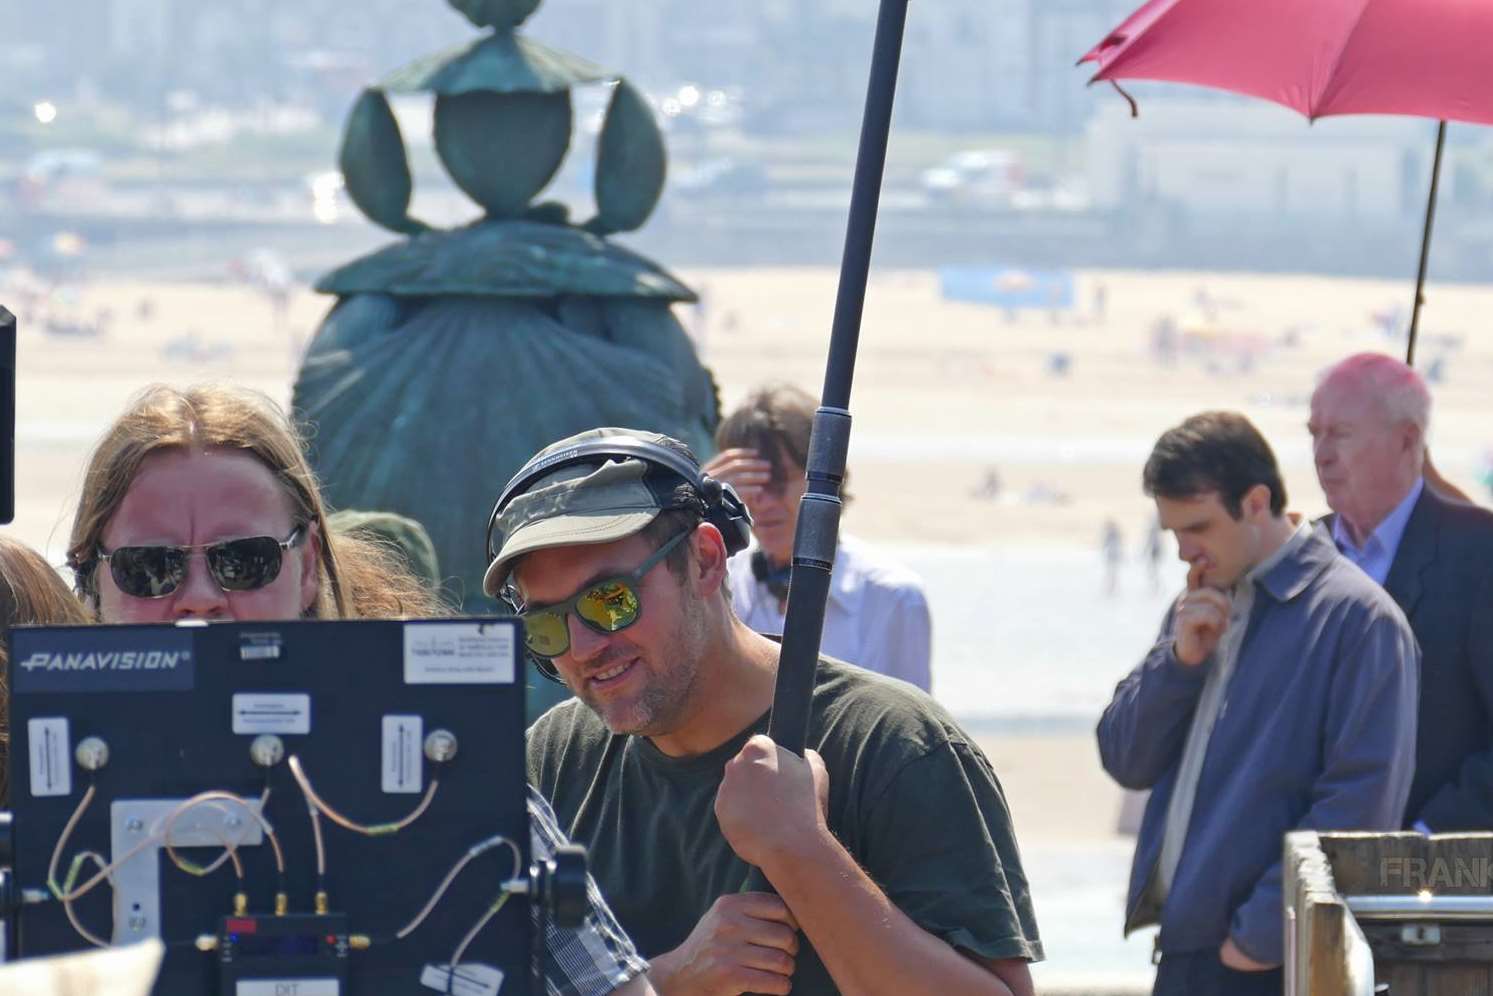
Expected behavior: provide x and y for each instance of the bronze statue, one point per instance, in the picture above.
(451, 355)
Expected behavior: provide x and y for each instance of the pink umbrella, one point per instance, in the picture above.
(1425, 58)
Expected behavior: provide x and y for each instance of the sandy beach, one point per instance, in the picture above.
(945, 392)
(975, 433)
(1055, 787)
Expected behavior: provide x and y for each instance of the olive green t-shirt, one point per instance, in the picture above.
(910, 797)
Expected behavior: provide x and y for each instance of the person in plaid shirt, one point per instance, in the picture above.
(597, 957)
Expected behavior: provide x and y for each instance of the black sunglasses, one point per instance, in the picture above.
(237, 565)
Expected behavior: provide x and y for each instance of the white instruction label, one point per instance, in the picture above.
(288, 987)
(51, 756)
(271, 712)
(472, 979)
(404, 742)
(458, 653)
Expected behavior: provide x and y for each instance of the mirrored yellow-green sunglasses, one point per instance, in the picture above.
(608, 606)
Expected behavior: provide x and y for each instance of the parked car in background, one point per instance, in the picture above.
(987, 177)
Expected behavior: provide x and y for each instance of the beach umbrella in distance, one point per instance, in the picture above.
(1423, 58)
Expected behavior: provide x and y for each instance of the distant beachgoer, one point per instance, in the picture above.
(1391, 321)
(1280, 695)
(31, 592)
(1206, 302)
(1101, 302)
(888, 843)
(1153, 554)
(700, 317)
(1434, 553)
(1112, 550)
(1436, 370)
(1046, 493)
(989, 488)
(877, 616)
(1165, 340)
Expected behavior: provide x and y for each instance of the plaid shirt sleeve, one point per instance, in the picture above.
(594, 958)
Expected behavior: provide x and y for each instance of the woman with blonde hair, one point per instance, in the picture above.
(220, 472)
(31, 592)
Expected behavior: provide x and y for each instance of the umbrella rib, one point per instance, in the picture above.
(1337, 61)
(1108, 68)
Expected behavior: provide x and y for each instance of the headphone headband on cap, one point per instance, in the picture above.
(723, 507)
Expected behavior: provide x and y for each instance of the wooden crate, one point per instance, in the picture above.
(1416, 955)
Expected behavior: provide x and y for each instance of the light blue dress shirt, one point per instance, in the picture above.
(876, 616)
(1377, 554)
(1378, 550)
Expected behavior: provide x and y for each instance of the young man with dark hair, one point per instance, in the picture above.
(889, 844)
(1281, 695)
(877, 614)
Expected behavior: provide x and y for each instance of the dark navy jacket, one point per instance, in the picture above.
(1442, 579)
(1317, 731)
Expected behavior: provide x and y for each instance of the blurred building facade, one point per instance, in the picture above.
(223, 50)
(983, 65)
(1222, 156)
(791, 68)
(967, 64)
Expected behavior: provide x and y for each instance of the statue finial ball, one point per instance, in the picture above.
(505, 15)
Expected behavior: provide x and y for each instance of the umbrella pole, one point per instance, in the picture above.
(1425, 244)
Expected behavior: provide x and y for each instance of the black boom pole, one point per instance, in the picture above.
(819, 511)
(7, 416)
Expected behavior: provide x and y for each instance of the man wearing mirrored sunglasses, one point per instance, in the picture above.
(661, 766)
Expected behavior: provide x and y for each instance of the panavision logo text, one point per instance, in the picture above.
(118, 660)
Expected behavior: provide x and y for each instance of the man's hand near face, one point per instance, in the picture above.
(743, 469)
(1201, 618)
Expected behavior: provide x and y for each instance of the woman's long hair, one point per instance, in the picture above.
(31, 592)
(356, 579)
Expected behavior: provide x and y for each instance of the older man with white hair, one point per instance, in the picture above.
(1434, 554)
